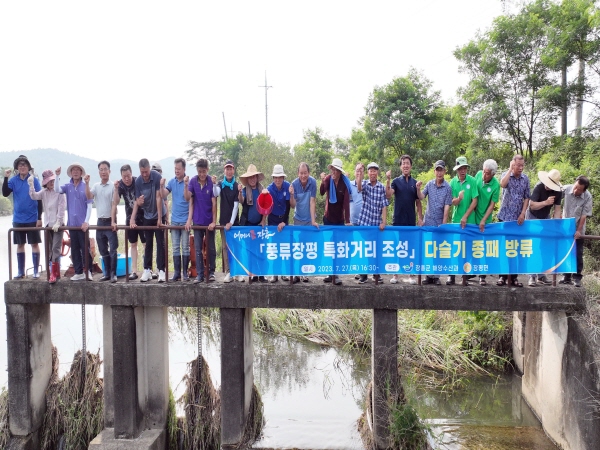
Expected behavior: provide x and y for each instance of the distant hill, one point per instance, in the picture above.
(49, 158)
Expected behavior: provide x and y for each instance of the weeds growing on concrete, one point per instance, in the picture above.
(4, 431)
(74, 406)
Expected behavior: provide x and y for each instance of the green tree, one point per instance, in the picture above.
(398, 115)
(316, 149)
(506, 75)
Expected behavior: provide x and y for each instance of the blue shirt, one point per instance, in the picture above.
(148, 190)
(513, 196)
(405, 198)
(25, 210)
(280, 197)
(303, 196)
(77, 203)
(253, 215)
(180, 208)
(438, 198)
(374, 201)
(356, 204)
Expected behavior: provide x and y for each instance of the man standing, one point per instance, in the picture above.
(279, 190)
(103, 193)
(79, 209)
(578, 204)
(227, 191)
(375, 203)
(148, 196)
(357, 199)
(515, 200)
(337, 190)
(303, 198)
(546, 194)
(27, 213)
(464, 198)
(125, 187)
(181, 216)
(405, 191)
(438, 205)
(489, 194)
(204, 205)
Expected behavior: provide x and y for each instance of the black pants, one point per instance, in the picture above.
(160, 245)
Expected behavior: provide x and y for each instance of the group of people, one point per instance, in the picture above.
(195, 202)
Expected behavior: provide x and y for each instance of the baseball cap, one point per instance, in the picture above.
(439, 163)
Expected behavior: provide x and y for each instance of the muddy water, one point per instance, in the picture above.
(314, 395)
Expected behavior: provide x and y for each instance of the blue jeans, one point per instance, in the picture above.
(107, 239)
(180, 240)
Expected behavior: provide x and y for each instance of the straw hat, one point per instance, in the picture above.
(336, 164)
(551, 179)
(278, 171)
(251, 172)
(72, 166)
(47, 176)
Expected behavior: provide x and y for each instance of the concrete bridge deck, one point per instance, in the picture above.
(312, 295)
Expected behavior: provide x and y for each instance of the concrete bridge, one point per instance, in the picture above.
(135, 329)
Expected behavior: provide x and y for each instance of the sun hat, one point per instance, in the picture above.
(373, 165)
(156, 166)
(251, 172)
(439, 163)
(336, 164)
(460, 162)
(278, 171)
(21, 158)
(72, 166)
(264, 203)
(47, 176)
(550, 179)
(229, 163)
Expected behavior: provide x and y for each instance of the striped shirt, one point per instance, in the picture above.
(438, 198)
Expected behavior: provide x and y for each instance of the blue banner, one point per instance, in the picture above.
(536, 246)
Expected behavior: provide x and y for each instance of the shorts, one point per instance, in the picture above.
(26, 237)
(133, 233)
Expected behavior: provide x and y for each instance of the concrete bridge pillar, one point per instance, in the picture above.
(29, 371)
(384, 361)
(136, 375)
(237, 378)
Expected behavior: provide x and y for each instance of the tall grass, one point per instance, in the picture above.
(4, 431)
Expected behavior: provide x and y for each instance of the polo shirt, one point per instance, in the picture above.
(437, 199)
(180, 208)
(77, 203)
(103, 197)
(202, 195)
(577, 206)
(281, 197)
(356, 204)
(303, 194)
(374, 200)
(541, 194)
(25, 209)
(488, 192)
(229, 197)
(148, 190)
(513, 196)
(405, 198)
(469, 187)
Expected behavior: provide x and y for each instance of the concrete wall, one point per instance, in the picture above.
(561, 377)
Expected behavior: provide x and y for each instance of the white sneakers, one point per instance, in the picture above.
(227, 278)
(147, 275)
(78, 277)
(394, 279)
(241, 278)
(161, 276)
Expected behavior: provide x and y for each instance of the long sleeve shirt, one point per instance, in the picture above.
(54, 205)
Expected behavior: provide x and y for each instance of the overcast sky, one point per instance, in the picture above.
(140, 79)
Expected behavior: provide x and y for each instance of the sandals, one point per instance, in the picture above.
(503, 282)
(482, 283)
(517, 283)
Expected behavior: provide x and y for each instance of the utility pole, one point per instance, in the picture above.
(225, 126)
(249, 134)
(266, 107)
